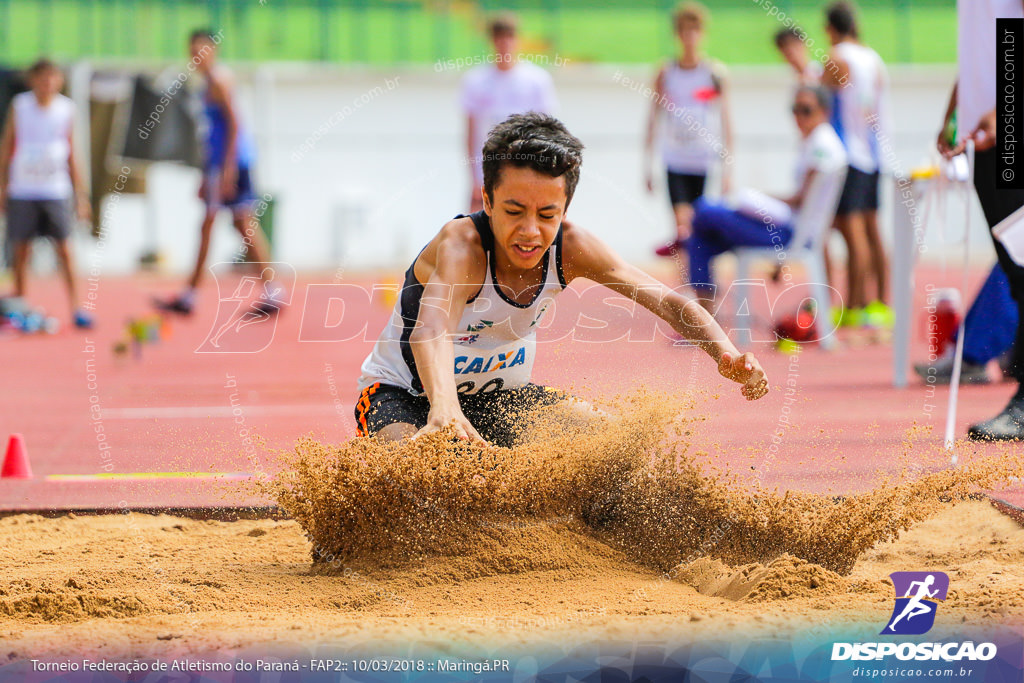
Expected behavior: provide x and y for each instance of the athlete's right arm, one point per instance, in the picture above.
(451, 268)
(6, 154)
(652, 125)
(836, 73)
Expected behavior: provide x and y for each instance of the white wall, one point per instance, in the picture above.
(399, 154)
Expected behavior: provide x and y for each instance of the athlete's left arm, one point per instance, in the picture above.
(586, 256)
(82, 206)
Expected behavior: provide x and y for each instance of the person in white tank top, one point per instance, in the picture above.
(690, 117)
(39, 177)
(857, 76)
(460, 344)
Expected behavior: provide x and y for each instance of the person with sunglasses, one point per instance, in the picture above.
(718, 227)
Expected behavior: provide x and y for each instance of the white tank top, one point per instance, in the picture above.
(42, 145)
(856, 102)
(689, 125)
(495, 342)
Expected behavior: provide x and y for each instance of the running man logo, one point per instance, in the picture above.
(246, 319)
(914, 612)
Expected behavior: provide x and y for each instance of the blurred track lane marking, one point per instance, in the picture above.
(120, 476)
(171, 412)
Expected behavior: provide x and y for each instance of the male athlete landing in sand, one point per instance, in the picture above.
(460, 344)
(915, 606)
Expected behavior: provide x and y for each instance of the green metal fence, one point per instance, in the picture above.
(390, 32)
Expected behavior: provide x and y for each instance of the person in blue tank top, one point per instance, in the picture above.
(445, 360)
(228, 157)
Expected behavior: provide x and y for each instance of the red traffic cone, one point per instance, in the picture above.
(16, 461)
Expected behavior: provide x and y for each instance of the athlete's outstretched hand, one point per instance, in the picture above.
(463, 428)
(746, 371)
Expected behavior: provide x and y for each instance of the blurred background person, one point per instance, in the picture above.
(40, 179)
(973, 99)
(718, 228)
(859, 81)
(228, 160)
(491, 92)
(790, 41)
(689, 116)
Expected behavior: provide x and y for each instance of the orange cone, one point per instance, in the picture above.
(16, 461)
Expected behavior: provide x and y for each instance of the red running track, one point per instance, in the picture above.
(174, 409)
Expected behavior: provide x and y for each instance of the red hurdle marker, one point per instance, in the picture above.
(16, 460)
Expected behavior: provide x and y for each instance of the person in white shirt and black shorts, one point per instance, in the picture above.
(39, 177)
(690, 115)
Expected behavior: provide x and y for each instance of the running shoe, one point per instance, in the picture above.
(82, 320)
(941, 372)
(670, 249)
(878, 315)
(178, 304)
(267, 307)
(847, 317)
(1006, 426)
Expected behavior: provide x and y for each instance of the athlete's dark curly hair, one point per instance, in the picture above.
(536, 141)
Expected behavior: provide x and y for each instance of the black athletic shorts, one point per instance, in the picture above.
(498, 415)
(244, 196)
(685, 188)
(860, 192)
(31, 218)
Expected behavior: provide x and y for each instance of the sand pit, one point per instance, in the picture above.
(631, 480)
(143, 585)
(583, 533)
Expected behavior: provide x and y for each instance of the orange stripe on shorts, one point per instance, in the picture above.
(363, 406)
